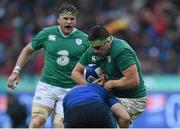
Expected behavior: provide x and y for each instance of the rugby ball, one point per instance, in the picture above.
(92, 72)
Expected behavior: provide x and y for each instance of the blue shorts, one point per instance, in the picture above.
(91, 115)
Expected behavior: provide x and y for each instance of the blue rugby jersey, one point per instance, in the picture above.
(84, 94)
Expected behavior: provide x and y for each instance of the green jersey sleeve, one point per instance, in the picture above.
(125, 59)
(86, 57)
(38, 41)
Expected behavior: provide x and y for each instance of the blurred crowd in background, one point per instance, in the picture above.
(151, 27)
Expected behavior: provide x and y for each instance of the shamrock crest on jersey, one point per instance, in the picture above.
(78, 41)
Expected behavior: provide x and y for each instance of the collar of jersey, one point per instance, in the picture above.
(74, 30)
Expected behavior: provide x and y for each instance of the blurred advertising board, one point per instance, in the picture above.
(162, 111)
(154, 83)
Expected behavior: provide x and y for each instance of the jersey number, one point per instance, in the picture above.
(63, 58)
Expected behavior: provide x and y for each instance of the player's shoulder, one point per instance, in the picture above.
(50, 29)
(81, 33)
(120, 44)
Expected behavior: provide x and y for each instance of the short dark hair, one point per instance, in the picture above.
(68, 7)
(98, 32)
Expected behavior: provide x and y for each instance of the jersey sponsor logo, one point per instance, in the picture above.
(78, 41)
(109, 59)
(63, 58)
(52, 37)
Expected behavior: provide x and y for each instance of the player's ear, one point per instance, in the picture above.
(58, 19)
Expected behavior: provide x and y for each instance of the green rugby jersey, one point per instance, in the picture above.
(120, 57)
(61, 54)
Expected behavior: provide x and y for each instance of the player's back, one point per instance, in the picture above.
(84, 94)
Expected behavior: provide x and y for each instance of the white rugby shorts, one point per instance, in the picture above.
(50, 96)
(134, 106)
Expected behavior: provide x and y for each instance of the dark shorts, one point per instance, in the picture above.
(91, 115)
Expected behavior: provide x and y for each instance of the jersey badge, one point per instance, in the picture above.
(52, 37)
(78, 41)
(93, 58)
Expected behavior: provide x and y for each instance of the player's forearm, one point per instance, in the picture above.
(78, 77)
(130, 79)
(77, 74)
(24, 56)
(123, 83)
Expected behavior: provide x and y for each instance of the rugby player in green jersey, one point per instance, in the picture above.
(121, 65)
(63, 46)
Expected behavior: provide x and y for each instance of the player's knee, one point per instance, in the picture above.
(39, 116)
(125, 122)
(58, 121)
(126, 118)
(37, 122)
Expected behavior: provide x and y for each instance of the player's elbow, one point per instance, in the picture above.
(136, 82)
(75, 75)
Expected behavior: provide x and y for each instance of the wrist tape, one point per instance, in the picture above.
(16, 69)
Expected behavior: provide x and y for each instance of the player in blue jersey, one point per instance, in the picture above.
(90, 106)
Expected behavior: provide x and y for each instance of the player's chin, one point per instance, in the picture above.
(68, 30)
(99, 54)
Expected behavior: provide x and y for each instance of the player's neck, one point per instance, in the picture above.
(74, 30)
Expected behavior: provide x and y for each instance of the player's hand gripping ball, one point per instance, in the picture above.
(92, 72)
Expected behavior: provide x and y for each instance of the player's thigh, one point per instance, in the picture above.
(134, 106)
(59, 116)
(40, 112)
(44, 95)
(60, 93)
(39, 115)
